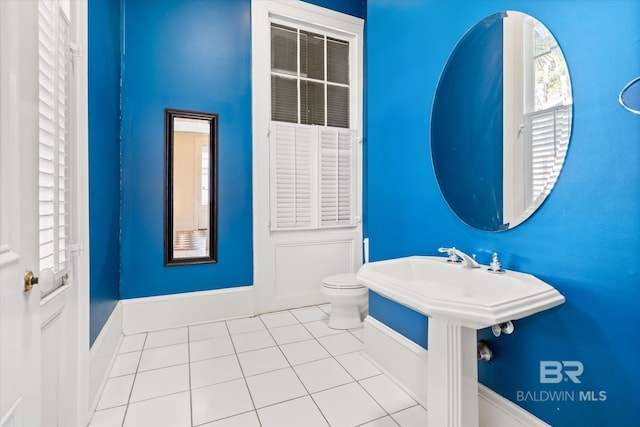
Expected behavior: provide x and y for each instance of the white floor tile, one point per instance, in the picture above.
(240, 326)
(132, 343)
(385, 422)
(252, 341)
(341, 343)
(220, 401)
(292, 333)
(322, 374)
(416, 416)
(281, 318)
(116, 392)
(298, 412)
(248, 419)
(309, 314)
(347, 405)
(388, 395)
(109, 417)
(326, 308)
(304, 351)
(358, 366)
(320, 328)
(162, 357)
(125, 364)
(160, 382)
(207, 331)
(358, 333)
(167, 337)
(166, 411)
(214, 371)
(261, 361)
(274, 387)
(210, 348)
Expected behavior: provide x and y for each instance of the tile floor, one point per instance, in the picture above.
(284, 369)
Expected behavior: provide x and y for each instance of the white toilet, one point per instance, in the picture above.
(349, 300)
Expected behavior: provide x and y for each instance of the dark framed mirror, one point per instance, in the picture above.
(191, 159)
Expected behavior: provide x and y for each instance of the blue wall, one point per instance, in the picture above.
(179, 54)
(104, 160)
(189, 55)
(584, 240)
(357, 8)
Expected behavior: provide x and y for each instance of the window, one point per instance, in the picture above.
(54, 75)
(549, 122)
(309, 77)
(204, 174)
(312, 148)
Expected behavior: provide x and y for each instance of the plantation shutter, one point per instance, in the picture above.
(312, 176)
(292, 172)
(549, 137)
(53, 180)
(337, 190)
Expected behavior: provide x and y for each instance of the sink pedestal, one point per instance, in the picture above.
(452, 391)
(458, 301)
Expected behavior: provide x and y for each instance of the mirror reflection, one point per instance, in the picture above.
(190, 210)
(630, 96)
(501, 121)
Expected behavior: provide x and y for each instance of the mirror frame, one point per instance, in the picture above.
(169, 117)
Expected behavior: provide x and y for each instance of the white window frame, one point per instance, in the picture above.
(315, 19)
(56, 120)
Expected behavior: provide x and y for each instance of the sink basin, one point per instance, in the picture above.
(458, 301)
(474, 297)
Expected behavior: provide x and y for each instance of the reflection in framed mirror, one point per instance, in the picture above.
(501, 121)
(191, 141)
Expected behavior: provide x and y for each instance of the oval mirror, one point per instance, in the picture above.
(501, 121)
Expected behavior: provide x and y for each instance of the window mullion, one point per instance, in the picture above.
(326, 71)
(299, 65)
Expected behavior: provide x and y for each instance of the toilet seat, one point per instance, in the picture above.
(342, 281)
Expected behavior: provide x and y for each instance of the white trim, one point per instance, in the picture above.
(307, 15)
(102, 355)
(172, 311)
(407, 363)
(79, 296)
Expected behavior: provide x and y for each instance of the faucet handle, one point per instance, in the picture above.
(451, 253)
(495, 266)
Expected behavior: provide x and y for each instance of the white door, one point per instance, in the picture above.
(296, 152)
(19, 312)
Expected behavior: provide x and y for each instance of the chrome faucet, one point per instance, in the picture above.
(456, 255)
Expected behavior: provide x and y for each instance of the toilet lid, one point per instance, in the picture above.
(342, 281)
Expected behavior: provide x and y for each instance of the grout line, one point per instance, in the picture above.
(244, 378)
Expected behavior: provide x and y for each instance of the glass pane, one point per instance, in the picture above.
(311, 55)
(337, 61)
(284, 99)
(284, 49)
(311, 103)
(337, 106)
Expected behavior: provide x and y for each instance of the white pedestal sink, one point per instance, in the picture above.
(458, 301)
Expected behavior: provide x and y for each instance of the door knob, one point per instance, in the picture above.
(29, 280)
(46, 280)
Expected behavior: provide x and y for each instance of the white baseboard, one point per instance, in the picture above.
(102, 354)
(407, 363)
(172, 311)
